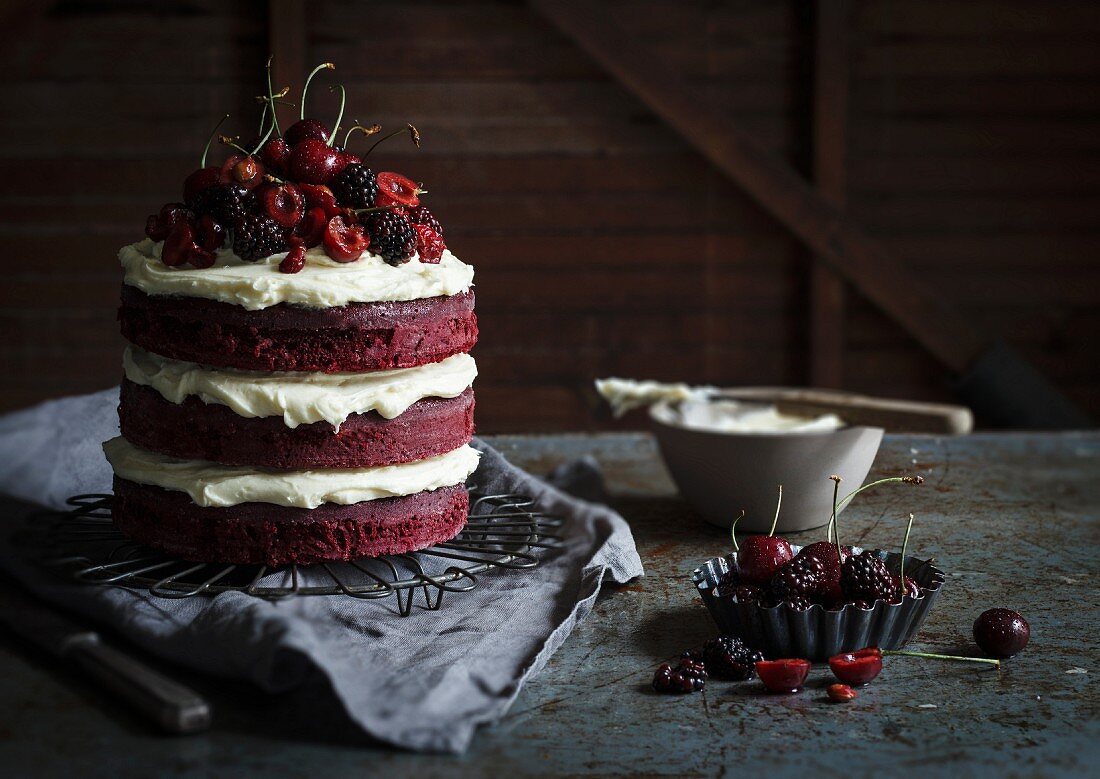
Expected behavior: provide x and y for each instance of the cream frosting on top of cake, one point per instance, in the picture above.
(301, 398)
(213, 485)
(322, 283)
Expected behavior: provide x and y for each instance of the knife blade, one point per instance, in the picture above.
(172, 706)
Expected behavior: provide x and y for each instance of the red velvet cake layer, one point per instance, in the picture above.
(355, 337)
(277, 535)
(194, 430)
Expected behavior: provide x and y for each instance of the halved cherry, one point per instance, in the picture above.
(246, 171)
(858, 667)
(393, 188)
(295, 259)
(200, 180)
(285, 204)
(160, 224)
(178, 245)
(209, 235)
(784, 675)
(344, 242)
(429, 244)
(311, 230)
(318, 195)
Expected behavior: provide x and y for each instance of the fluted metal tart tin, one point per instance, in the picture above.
(817, 633)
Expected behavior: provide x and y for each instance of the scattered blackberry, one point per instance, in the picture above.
(727, 657)
(688, 676)
(391, 236)
(801, 577)
(225, 202)
(420, 215)
(256, 237)
(355, 186)
(865, 577)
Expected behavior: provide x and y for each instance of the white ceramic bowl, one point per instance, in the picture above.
(719, 473)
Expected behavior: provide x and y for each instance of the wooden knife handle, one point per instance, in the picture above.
(895, 415)
(172, 706)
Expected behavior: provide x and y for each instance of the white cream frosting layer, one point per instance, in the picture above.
(301, 398)
(322, 283)
(213, 485)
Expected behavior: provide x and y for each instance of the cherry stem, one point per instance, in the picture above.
(959, 658)
(340, 116)
(901, 565)
(412, 131)
(907, 479)
(368, 131)
(264, 138)
(271, 97)
(375, 208)
(834, 529)
(733, 531)
(778, 503)
(210, 140)
(227, 141)
(305, 89)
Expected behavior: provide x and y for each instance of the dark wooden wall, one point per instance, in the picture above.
(603, 244)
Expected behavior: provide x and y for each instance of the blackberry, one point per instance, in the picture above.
(728, 582)
(225, 202)
(256, 237)
(688, 676)
(420, 215)
(748, 593)
(801, 577)
(865, 577)
(355, 186)
(799, 603)
(727, 657)
(391, 236)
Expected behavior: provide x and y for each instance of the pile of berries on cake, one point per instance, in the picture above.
(289, 192)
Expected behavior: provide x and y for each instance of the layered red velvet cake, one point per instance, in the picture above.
(298, 382)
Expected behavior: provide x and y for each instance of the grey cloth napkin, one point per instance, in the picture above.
(423, 682)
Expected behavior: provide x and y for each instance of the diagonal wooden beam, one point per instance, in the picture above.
(917, 306)
(832, 22)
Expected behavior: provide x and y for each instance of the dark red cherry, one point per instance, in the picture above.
(160, 224)
(209, 235)
(179, 245)
(784, 675)
(344, 242)
(760, 557)
(312, 162)
(320, 196)
(1001, 632)
(200, 180)
(294, 261)
(275, 154)
(305, 130)
(311, 230)
(858, 667)
(248, 171)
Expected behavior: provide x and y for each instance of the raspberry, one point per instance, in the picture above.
(256, 237)
(391, 236)
(355, 186)
(429, 244)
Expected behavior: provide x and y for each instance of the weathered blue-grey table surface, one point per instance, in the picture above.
(1012, 518)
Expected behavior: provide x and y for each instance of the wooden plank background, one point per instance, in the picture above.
(603, 244)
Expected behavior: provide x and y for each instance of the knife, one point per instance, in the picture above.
(172, 706)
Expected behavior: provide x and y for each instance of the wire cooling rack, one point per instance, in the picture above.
(503, 532)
